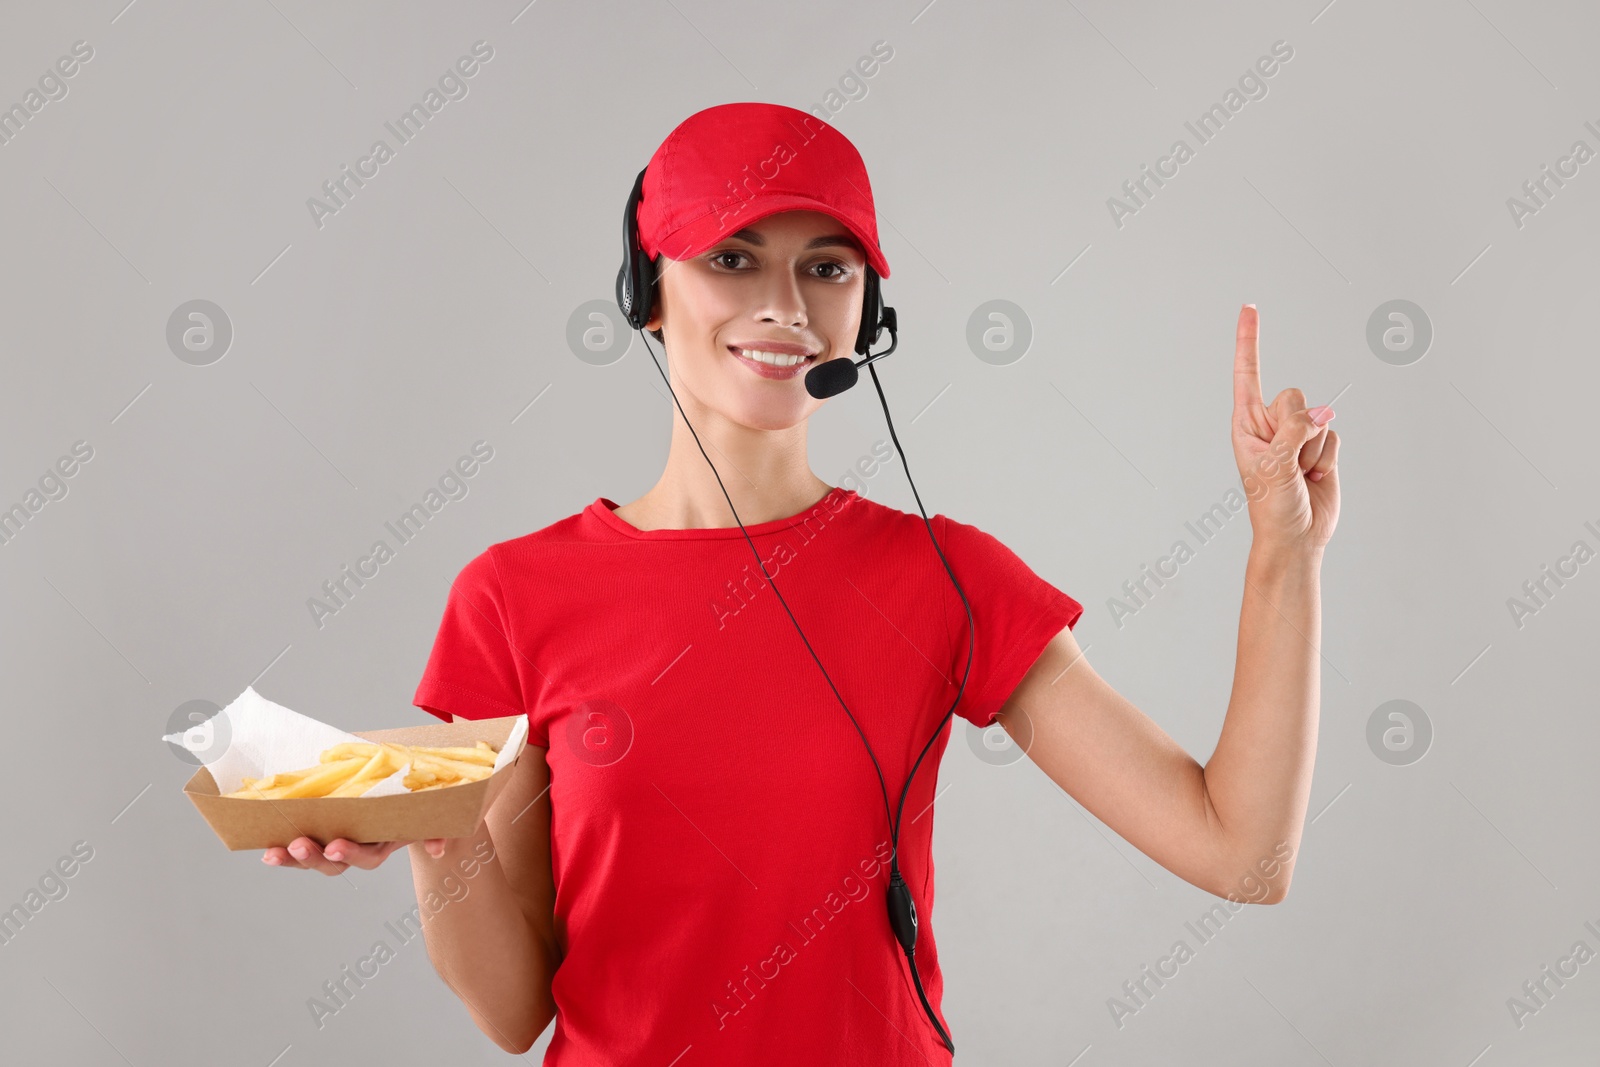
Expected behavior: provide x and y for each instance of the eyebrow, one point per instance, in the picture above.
(832, 240)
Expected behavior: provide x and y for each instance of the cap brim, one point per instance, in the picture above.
(695, 237)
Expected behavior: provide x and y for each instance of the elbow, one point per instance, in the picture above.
(516, 1035)
(1260, 876)
(536, 1021)
(514, 1024)
(1261, 893)
(516, 1046)
(1275, 880)
(1277, 871)
(1278, 888)
(516, 1031)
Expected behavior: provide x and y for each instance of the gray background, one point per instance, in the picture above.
(369, 353)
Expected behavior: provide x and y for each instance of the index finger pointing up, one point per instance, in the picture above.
(1247, 360)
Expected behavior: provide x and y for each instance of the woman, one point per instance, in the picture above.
(695, 857)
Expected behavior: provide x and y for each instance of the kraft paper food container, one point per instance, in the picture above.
(455, 811)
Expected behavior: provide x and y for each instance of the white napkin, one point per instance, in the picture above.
(266, 738)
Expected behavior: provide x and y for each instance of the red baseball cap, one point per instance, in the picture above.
(732, 165)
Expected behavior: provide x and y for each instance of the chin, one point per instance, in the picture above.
(767, 415)
(773, 421)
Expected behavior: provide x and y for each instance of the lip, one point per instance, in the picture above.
(767, 370)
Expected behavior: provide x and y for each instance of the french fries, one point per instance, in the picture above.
(350, 769)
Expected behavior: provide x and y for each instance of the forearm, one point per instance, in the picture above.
(482, 943)
(1259, 778)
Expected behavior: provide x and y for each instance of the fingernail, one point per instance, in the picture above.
(273, 860)
(298, 851)
(334, 854)
(1321, 415)
(1249, 305)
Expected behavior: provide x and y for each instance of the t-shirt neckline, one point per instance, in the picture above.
(604, 509)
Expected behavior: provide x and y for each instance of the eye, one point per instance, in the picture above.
(716, 257)
(840, 271)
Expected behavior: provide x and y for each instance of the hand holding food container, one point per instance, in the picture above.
(284, 780)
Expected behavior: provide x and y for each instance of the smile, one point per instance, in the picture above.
(777, 365)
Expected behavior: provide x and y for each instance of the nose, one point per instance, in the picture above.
(782, 302)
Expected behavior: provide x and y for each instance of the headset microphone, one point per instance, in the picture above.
(836, 375)
(637, 290)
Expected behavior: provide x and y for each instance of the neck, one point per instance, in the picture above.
(765, 472)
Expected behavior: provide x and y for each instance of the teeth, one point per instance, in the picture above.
(775, 358)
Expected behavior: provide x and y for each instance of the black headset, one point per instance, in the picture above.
(636, 296)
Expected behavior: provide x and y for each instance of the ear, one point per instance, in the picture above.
(654, 322)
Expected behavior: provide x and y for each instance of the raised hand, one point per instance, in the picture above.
(1287, 455)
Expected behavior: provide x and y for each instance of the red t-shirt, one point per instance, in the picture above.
(718, 834)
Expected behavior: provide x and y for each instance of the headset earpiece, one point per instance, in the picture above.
(636, 286)
(871, 314)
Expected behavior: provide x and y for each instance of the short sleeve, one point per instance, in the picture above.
(1016, 614)
(472, 670)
